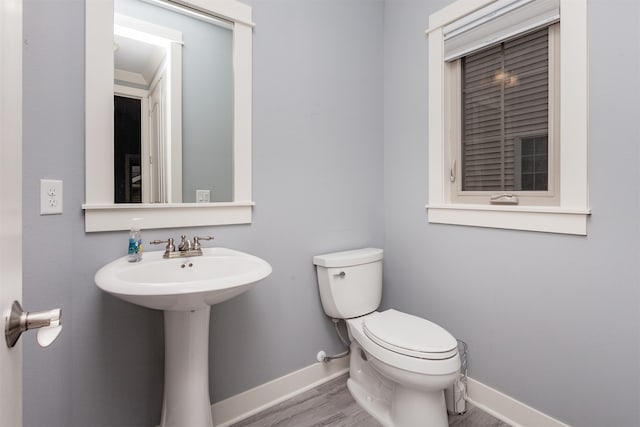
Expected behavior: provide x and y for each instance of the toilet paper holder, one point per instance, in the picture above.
(48, 323)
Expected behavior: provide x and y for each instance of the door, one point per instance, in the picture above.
(11, 203)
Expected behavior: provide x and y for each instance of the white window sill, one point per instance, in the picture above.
(530, 218)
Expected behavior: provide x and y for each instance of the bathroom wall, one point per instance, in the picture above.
(551, 320)
(317, 183)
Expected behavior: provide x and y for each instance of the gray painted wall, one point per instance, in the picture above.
(317, 107)
(551, 320)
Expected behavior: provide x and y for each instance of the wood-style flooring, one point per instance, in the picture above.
(331, 405)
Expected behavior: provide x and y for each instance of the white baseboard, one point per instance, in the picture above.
(250, 402)
(506, 408)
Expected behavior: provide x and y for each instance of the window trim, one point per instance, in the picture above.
(570, 216)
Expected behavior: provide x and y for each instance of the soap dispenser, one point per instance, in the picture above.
(134, 252)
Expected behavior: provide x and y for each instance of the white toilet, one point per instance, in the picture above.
(400, 364)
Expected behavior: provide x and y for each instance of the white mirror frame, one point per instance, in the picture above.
(101, 213)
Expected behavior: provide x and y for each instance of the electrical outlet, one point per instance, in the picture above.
(50, 196)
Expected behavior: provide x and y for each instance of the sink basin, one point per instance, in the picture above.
(185, 288)
(182, 284)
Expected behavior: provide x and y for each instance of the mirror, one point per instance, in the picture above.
(173, 88)
(168, 103)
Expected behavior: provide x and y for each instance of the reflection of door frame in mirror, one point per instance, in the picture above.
(157, 147)
(101, 213)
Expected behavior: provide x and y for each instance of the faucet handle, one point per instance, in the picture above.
(196, 241)
(170, 246)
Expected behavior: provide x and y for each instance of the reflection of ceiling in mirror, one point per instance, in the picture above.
(137, 57)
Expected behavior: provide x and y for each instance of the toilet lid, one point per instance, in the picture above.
(410, 335)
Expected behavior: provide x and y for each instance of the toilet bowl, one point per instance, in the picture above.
(400, 364)
(411, 385)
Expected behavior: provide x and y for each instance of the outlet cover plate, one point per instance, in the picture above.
(50, 197)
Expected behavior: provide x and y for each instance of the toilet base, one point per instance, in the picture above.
(376, 407)
(411, 408)
(408, 409)
(391, 403)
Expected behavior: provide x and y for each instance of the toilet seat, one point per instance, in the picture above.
(409, 335)
(396, 359)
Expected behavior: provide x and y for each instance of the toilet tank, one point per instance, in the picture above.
(350, 282)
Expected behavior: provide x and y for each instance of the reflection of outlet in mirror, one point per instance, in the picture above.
(50, 196)
(203, 196)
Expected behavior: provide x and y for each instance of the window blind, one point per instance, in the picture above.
(505, 100)
(495, 23)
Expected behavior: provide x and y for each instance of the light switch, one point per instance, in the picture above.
(203, 196)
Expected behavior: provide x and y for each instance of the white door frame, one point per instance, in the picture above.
(11, 205)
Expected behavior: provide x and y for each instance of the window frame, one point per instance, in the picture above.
(570, 214)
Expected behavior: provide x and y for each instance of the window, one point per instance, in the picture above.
(507, 142)
(498, 154)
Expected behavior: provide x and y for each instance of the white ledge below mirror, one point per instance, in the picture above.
(169, 215)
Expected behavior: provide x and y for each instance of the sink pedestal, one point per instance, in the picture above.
(186, 369)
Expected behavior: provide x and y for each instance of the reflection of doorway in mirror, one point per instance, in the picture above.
(131, 117)
(127, 149)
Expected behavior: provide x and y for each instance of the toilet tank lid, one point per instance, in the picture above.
(348, 258)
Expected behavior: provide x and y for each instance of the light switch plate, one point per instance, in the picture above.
(203, 196)
(50, 197)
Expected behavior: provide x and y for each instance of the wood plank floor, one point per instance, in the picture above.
(331, 405)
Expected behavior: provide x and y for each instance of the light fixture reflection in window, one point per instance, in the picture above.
(506, 77)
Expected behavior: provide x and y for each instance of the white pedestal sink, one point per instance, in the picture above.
(185, 288)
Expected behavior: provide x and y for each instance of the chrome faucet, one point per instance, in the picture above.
(186, 248)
